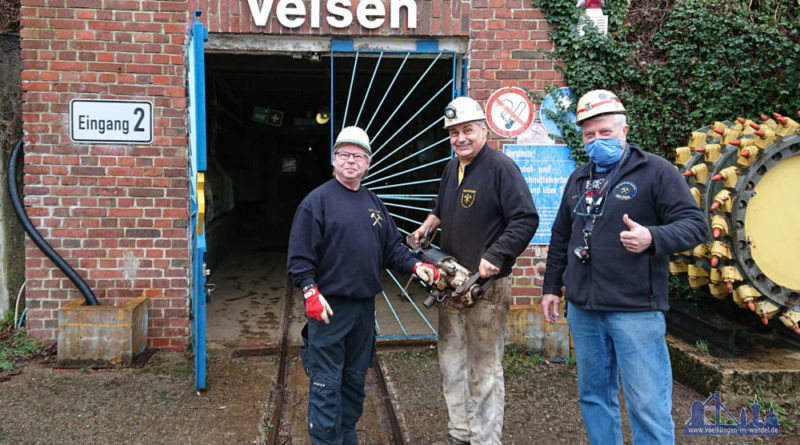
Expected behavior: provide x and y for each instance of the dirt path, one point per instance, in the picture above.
(157, 403)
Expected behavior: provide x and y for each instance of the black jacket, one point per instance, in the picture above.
(489, 215)
(654, 194)
(341, 239)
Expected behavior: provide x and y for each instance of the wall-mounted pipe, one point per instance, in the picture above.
(36, 237)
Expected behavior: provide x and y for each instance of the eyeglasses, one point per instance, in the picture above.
(358, 157)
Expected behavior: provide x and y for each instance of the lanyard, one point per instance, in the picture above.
(597, 202)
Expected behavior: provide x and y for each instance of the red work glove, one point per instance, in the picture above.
(316, 306)
(427, 272)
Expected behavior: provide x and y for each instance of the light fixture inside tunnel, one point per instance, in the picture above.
(323, 116)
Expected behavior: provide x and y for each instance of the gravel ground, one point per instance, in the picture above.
(541, 402)
(157, 403)
(151, 405)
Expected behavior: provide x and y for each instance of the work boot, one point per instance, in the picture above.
(450, 440)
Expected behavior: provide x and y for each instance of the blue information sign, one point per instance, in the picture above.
(546, 169)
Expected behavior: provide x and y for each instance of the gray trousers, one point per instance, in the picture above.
(471, 344)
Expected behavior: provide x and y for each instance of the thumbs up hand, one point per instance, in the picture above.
(637, 238)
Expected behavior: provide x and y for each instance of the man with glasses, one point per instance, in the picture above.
(621, 216)
(487, 217)
(341, 238)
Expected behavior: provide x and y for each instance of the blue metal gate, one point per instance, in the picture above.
(398, 98)
(197, 157)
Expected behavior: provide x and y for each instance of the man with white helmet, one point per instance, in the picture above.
(487, 218)
(341, 238)
(621, 216)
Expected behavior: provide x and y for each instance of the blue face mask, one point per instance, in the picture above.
(604, 153)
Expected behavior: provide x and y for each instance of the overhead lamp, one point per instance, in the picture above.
(323, 116)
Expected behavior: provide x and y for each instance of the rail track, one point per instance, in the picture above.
(285, 420)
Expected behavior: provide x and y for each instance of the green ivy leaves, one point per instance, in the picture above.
(683, 67)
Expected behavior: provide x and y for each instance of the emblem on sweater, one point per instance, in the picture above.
(625, 190)
(376, 217)
(467, 198)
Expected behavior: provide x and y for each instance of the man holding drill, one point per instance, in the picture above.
(487, 217)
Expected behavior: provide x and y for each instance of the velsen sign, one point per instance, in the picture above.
(370, 14)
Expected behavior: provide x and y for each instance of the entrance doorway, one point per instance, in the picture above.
(270, 123)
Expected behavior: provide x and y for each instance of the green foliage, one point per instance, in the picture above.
(517, 356)
(786, 413)
(680, 65)
(17, 346)
(7, 321)
(701, 346)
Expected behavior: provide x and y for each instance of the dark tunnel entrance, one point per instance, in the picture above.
(269, 142)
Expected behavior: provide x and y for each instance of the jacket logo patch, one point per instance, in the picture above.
(377, 219)
(625, 190)
(467, 198)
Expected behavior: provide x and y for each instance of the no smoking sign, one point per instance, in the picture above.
(509, 111)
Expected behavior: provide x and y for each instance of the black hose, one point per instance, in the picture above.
(36, 237)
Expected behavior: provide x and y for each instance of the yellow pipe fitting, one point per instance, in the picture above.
(744, 296)
(702, 251)
(764, 137)
(728, 175)
(722, 202)
(791, 319)
(697, 139)
(747, 154)
(719, 250)
(678, 267)
(718, 126)
(718, 290)
(715, 275)
(730, 275)
(698, 197)
(682, 155)
(787, 127)
(719, 226)
(697, 276)
(747, 128)
(699, 171)
(727, 135)
(766, 309)
(768, 122)
(711, 152)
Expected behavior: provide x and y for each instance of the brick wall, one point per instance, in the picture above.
(116, 213)
(508, 44)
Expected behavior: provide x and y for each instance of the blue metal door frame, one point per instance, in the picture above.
(393, 182)
(198, 34)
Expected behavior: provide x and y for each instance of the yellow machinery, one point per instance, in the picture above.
(746, 177)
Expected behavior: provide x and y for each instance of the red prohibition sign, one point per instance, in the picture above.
(509, 111)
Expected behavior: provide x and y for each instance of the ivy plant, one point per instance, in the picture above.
(680, 65)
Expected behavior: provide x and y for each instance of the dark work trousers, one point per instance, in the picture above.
(336, 357)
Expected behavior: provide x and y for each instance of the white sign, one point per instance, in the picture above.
(509, 111)
(111, 121)
(371, 14)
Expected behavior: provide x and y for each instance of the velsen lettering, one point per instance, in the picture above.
(370, 14)
(102, 125)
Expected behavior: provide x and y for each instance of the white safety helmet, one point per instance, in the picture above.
(353, 135)
(596, 103)
(462, 109)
